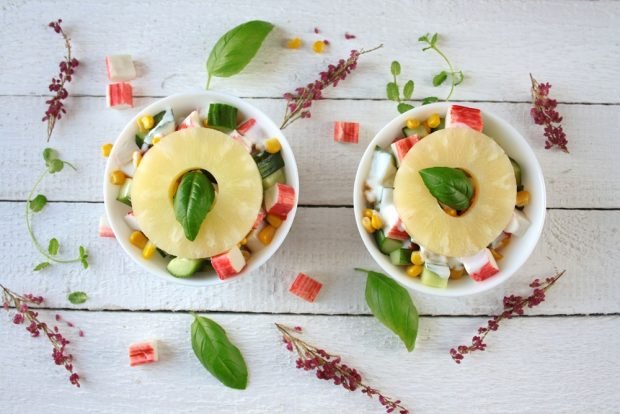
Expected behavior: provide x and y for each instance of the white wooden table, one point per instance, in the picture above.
(561, 358)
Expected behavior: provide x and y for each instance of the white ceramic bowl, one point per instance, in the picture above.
(519, 249)
(182, 105)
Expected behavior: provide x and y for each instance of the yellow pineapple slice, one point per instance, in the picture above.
(238, 198)
(494, 192)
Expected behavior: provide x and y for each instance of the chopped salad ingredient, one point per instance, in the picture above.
(120, 68)
(305, 287)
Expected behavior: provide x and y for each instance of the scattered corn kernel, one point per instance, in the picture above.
(118, 177)
(450, 211)
(156, 140)
(275, 221)
(433, 121)
(272, 145)
(146, 122)
(368, 212)
(294, 43)
(246, 254)
(412, 123)
(414, 270)
(138, 239)
(457, 273)
(106, 149)
(523, 198)
(266, 234)
(149, 250)
(376, 221)
(416, 258)
(136, 157)
(367, 223)
(496, 255)
(318, 46)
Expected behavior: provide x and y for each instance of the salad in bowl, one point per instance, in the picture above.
(201, 188)
(449, 200)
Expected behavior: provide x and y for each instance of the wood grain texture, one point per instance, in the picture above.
(327, 170)
(552, 365)
(495, 43)
(323, 243)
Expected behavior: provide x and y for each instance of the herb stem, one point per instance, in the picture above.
(445, 58)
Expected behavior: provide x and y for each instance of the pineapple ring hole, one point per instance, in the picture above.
(474, 197)
(174, 185)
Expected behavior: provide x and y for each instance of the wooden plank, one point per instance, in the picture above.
(568, 352)
(515, 39)
(323, 243)
(327, 170)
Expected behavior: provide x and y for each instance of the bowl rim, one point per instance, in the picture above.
(399, 275)
(201, 99)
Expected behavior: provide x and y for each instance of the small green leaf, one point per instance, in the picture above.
(449, 186)
(37, 203)
(404, 107)
(395, 68)
(49, 154)
(392, 306)
(84, 262)
(192, 201)
(217, 354)
(392, 91)
(77, 298)
(429, 99)
(440, 78)
(424, 38)
(158, 117)
(139, 140)
(41, 266)
(434, 39)
(408, 89)
(458, 77)
(53, 246)
(55, 165)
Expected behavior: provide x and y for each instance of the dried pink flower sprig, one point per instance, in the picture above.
(23, 313)
(329, 367)
(56, 108)
(544, 113)
(513, 306)
(298, 103)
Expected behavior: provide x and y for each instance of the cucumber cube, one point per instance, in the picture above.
(401, 257)
(124, 193)
(277, 177)
(387, 245)
(432, 279)
(517, 168)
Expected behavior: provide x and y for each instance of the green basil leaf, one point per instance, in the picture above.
(192, 201)
(392, 306)
(217, 354)
(236, 48)
(77, 298)
(41, 266)
(449, 186)
(37, 203)
(55, 165)
(440, 78)
(53, 247)
(395, 68)
(408, 89)
(49, 154)
(392, 91)
(429, 99)
(403, 107)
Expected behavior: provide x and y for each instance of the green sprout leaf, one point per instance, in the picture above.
(440, 78)
(37, 203)
(41, 266)
(49, 154)
(395, 68)
(53, 246)
(77, 298)
(408, 89)
(429, 99)
(392, 91)
(55, 165)
(404, 107)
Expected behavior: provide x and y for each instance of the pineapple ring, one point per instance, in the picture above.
(237, 202)
(493, 203)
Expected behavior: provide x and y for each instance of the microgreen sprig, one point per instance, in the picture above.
(456, 77)
(393, 90)
(35, 204)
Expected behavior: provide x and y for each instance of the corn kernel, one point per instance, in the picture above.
(149, 250)
(294, 43)
(106, 149)
(275, 221)
(368, 212)
(503, 243)
(376, 221)
(414, 270)
(272, 145)
(146, 122)
(450, 211)
(205, 123)
(246, 254)
(496, 255)
(367, 223)
(413, 123)
(318, 46)
(266, 234)
(416, 258)
(523, 198)
(433, 121)
(138, 239)
(155, 140)
(118, 177)
(136, 157)
(457, 273)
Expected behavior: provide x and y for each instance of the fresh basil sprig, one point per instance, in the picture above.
(236, 49)
(449, 186)
(192, 201)
(392, 306)
(393, 90)
(217, 354)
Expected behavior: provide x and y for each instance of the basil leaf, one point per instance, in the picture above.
(408, 89)
(440, 78)
(41, 266)
(236, 49)
(449, 186)
(192, 201)
(53, 247)
(37, 203)
(403, 107)
(55, 165)
(217, 354)
(392, 91)
(392, 306)
(77, 298)
(395, 68)
(429, 99)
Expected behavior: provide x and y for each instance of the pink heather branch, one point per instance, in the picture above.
(513, 306)
(56, 108)
(35, 327)
(330, 368)
(544, 113)
(298, 103)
